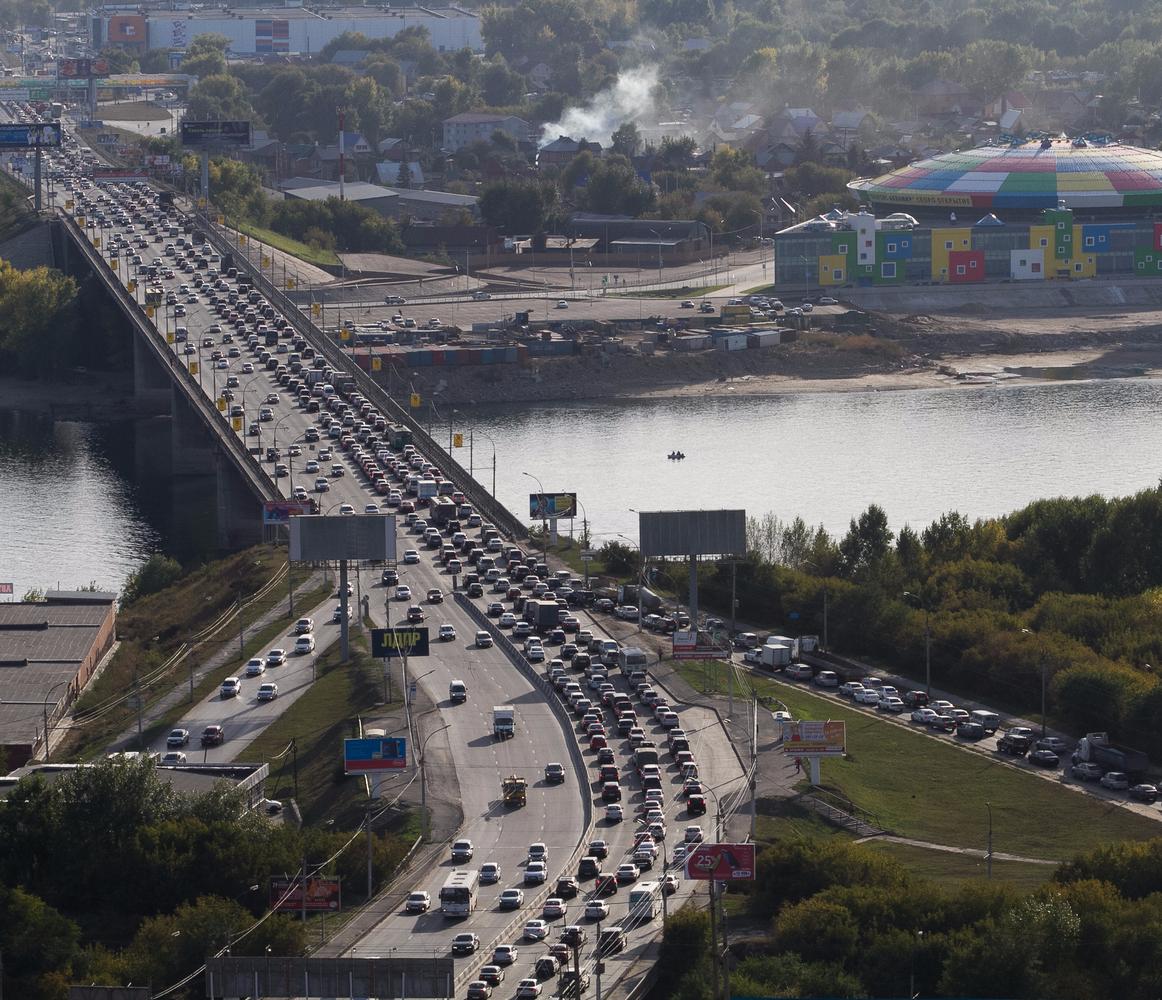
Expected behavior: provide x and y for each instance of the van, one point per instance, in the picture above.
(989, 721)
(457, 692)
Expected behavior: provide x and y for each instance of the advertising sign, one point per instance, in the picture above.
(81, 69)
(198, 134)
(29, 135)
(721, 863)
(815, 739)
(126, 28)
(380, 753)
(323, 895)
(684, 645)
(544, 505)
(397, 641)
(5, 588)
(281, 511)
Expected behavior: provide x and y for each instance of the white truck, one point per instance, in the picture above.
(774, 655)
(503, 722)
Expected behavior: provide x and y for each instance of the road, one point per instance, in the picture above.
(554, 814)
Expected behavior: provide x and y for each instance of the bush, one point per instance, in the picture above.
(157, 573)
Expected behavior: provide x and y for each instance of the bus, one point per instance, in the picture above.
(56, 110)
(458, 897)
(645, 900)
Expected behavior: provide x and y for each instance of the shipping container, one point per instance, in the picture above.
(764, 338)
(735, 342)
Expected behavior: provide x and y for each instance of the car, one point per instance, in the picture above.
(606, 884)
(1044, 758)
(172, 757)
(1054, 743)
(447, 633)
(491, 974)
(276, 657)
(231, 688)
(970, 731)
(411, 556)
(418, 901)
(389, 577)
(415, 614)
(527, 989)
(489, 873)
(696, 805)
(827, 300)
(1144, 793)
(686, 304)
(866, 696)
(627, 873)
(849, 689)
(538, 852)
(536, 872)
(597, 909)
(890, 703)
(567, 887)
(177, 738)
(614, 813)
(337, 614)
(562, 304)
(267, 691)
(554, 907)
(554, 773)
(462, 850)
(304, 626)
(465, 944)
(213, 736)
(304, 644)
(483, 639)
(1087, 771)
(536, 930)
(598, 849)
(435, 596)
(511, 899)
(924, 716)
(504, 954)
(1115, 781)
(478, 989)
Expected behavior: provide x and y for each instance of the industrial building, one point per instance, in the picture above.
(1033, 211)
(283, 30)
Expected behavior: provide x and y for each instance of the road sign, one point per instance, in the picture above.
(29, 135)
(457, 440)
(415, 400)
(397, 641)
(721, 862)
(412, 689)
(5, 588)
(588, 555)
(208, 134)
(380, 753)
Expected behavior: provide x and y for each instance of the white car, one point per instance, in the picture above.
(267, 691)
(447, 633)
(276, 658)
(418, 902)
(866, 696)
(172, 757)
(403, 592)
(554, 907)
(536, 930)
(411, 556)
(255, 668)
(231, 688)
(305, 644)
(889, 703)
(614, 813)
(596, 909)
(924, 716)
(304, 625)
(505, 954)
(528, 989)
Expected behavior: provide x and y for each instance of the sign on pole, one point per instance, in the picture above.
(815, 739)
(324, 895)
(281, 511)
(29, 135)
(721, 863)
(209, 134)
(399, 641)
(5, 588)
(685, 645)
(380, 753)
(542, 505)
(588, 555)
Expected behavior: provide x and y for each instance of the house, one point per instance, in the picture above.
(389, 173)
(563, 149)
(381, 199)
(801, 120)
(392, 148)
(473, 126)
(942, 97)
(1009, 101)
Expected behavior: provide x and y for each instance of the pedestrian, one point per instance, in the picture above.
(798, 765)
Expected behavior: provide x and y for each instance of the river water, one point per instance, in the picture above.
(73, 513)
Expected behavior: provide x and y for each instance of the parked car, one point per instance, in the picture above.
(1115, 781)
(1087, 771)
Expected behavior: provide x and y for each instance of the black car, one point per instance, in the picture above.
(1045, 758)
(970, 731)
(567, 887)
(389, 578)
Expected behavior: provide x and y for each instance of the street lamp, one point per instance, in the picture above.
(989, 856)
(544, 518)
(424, 781)
(47, 731)
(641, 576)
(927, 639)
(658, 237)
(1041, 659)
(488, 438)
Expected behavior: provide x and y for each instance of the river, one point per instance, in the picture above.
(73, 514)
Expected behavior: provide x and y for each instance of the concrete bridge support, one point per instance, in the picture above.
(152, 385)
(239, 511)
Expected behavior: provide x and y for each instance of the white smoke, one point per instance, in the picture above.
(629, 99)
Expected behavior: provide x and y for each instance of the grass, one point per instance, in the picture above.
(315, 726)
(928, 789)
(943, 867)
(312, 255)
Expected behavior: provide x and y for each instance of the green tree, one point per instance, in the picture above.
(518, 207)
(220, 96)
(206, 56)
(866, 543)
(626, 140)
(33, 307)
(816, 931)
(155, 574)
(40, 945)
(619, 559)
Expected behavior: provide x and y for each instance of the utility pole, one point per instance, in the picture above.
(137, 699)
(369, 846)
(303, 891)
(597, 966)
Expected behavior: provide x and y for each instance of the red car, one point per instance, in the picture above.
(213, 736)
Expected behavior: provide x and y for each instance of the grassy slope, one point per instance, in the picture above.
(321, 258)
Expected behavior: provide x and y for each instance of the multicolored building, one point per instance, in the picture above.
(1072, 210)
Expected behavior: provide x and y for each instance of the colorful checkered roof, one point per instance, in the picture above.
(1030, 176)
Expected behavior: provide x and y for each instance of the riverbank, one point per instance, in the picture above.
(88, 396)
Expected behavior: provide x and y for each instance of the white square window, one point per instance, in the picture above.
(1067, 238)
(948, 244)
(960, 269)
(891, 248)
(888, 269)
(842, 248)
(1061, 225)
(1089, 241)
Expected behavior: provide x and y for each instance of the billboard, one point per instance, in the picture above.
(281, 511)
(542, 505)
(378, 753)
(318, 538)
(126, 29)
(685, 645)
(116, 175)
(81, 69)
(815, 739)
(29, 135)
(397, 641)
(323, 895)
(5, 588)
(198, 134)
(692, 533)
(721, 863)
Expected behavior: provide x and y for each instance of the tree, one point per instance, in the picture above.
(39, 944)
(499, 85)
(816, 931)
(403, 177)
(619, 559)
(220, 96)
(155, 574)
(626, 140)
(206, 56)
(518, 207)
(33, 304)
(866, 543)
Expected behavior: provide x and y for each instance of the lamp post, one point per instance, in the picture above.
(641, 575)
(1041, 660)
(658, 237)
(544, 518)
(424, 781)
(488, 438)
(47, 731)
(815, 566)
(919, 599)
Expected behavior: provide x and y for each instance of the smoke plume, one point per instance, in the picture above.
(629, 99)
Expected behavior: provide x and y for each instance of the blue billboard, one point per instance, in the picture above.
(29, 135)
(379, 753)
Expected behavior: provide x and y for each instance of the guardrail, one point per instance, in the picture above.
(260, 483)
(495, 512)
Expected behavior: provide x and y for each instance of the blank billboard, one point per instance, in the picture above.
(665, 533)
(319, 538)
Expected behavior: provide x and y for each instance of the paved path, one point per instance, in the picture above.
(974, 852)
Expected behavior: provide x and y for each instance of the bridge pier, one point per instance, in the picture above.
(192, 448)
(239, 512)
(152, 385)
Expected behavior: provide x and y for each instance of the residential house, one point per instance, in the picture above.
(942, 97)
(392, 149)
(473, 126)
(563, 149)
(389, 174)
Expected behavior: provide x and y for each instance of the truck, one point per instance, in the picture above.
(1099, 749)
(514, 790)
(503, 722)
(399, 437)
(641, 597)
(644, 755)
(774, 656)
(441, 511)
(426, 488)
(738, 311)
(541, 615)
(630, 658)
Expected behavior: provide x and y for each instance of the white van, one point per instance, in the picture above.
(989, 720)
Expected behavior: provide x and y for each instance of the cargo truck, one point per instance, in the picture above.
(1097, 748)
(775, 656)
(426, 489)
(514, 789)
(503, 722)
(641, 597)
(543, 616)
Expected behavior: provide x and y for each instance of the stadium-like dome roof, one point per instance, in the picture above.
(1036, 174)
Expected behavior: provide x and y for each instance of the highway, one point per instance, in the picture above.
(459, 738)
